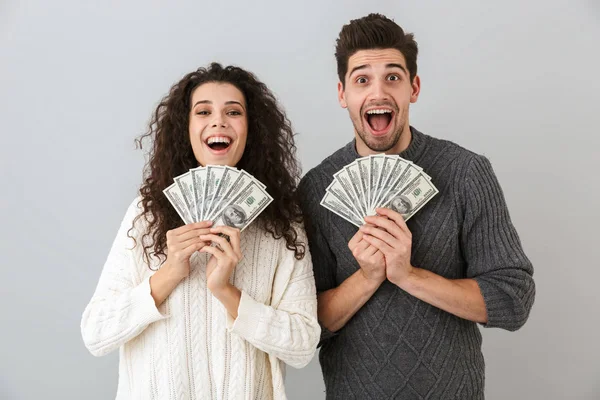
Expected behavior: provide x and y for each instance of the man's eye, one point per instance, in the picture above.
(361, 80)
(393, 78)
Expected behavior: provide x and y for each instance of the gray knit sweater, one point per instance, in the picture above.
(399, 347)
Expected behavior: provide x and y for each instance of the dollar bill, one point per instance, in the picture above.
(412, 197)
(244, 207)
(364, 174)
(343, 178)
(186, 186)
(376, 165)
(336, 189)
(242, 180)
(398, 182)
(386, 166)
(198, 179)
(225, 182)
(332, 203)
(213, 178)
(175, 196)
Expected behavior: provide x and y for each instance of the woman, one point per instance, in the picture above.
(195, 320)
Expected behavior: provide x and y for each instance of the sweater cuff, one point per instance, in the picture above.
(495, 304)
(143, 302)
(248, 317)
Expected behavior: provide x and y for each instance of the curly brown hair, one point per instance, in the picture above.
(269, 155)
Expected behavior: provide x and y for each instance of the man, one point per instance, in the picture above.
(398, 301)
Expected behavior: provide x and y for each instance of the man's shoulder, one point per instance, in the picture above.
(451, 149)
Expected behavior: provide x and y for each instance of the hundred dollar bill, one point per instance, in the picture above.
(242, 209)
(412, 197)
(213, 178)
(395, 166)
(336, 189)
(332, 203)
(386, 166)
(376, 164)
(176, 198)
(345, 181)
(225, 182)
(198, 179)
(186, 186)
(242, 180)
(363, 164)
(397, 183)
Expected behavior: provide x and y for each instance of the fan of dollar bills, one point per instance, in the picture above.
(217, 193)
(378, 181)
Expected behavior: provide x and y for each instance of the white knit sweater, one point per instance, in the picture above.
(190, 347)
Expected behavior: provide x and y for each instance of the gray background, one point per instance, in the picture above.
(516, 81)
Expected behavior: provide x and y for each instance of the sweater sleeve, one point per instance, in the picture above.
(122, 306)
(287, 328)
(493, 251)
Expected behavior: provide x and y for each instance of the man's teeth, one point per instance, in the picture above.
(218, 139)
(379, 111)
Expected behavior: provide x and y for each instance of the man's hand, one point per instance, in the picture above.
(389, 234)
(370, 259)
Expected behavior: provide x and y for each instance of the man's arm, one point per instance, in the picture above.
(336, 306)
(392, 237)
(500, 290)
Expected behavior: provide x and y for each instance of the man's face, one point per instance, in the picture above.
(377, 94)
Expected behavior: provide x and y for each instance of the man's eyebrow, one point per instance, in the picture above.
(365, 66)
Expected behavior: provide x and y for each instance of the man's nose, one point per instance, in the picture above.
(378, 91)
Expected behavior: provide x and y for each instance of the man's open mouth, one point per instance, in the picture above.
(379, 119)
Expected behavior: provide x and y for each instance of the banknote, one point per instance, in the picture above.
(242, 209)
(378, 181)
(175, 196)
(218, 192)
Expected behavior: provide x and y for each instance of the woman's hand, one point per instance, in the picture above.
(225, 256)
(182, 243)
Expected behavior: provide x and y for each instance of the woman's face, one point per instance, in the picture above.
(218, 124)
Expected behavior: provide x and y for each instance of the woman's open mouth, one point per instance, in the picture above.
(218, 144)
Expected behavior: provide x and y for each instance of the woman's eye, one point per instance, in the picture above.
(234, 112)
(202, 112)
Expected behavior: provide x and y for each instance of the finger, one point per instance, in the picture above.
(192, 233)
(378, 244)
(233, 234)
(388, 225)
(223, 244)
(193, 226)
(370, 251)
(394, 216)
(189, 250)
(218, 254)
(359, 248)
(355, 239)
(175, 245)
(380, 234)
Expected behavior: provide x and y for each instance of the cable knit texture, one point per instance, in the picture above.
(190, 347)
(399, 347)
